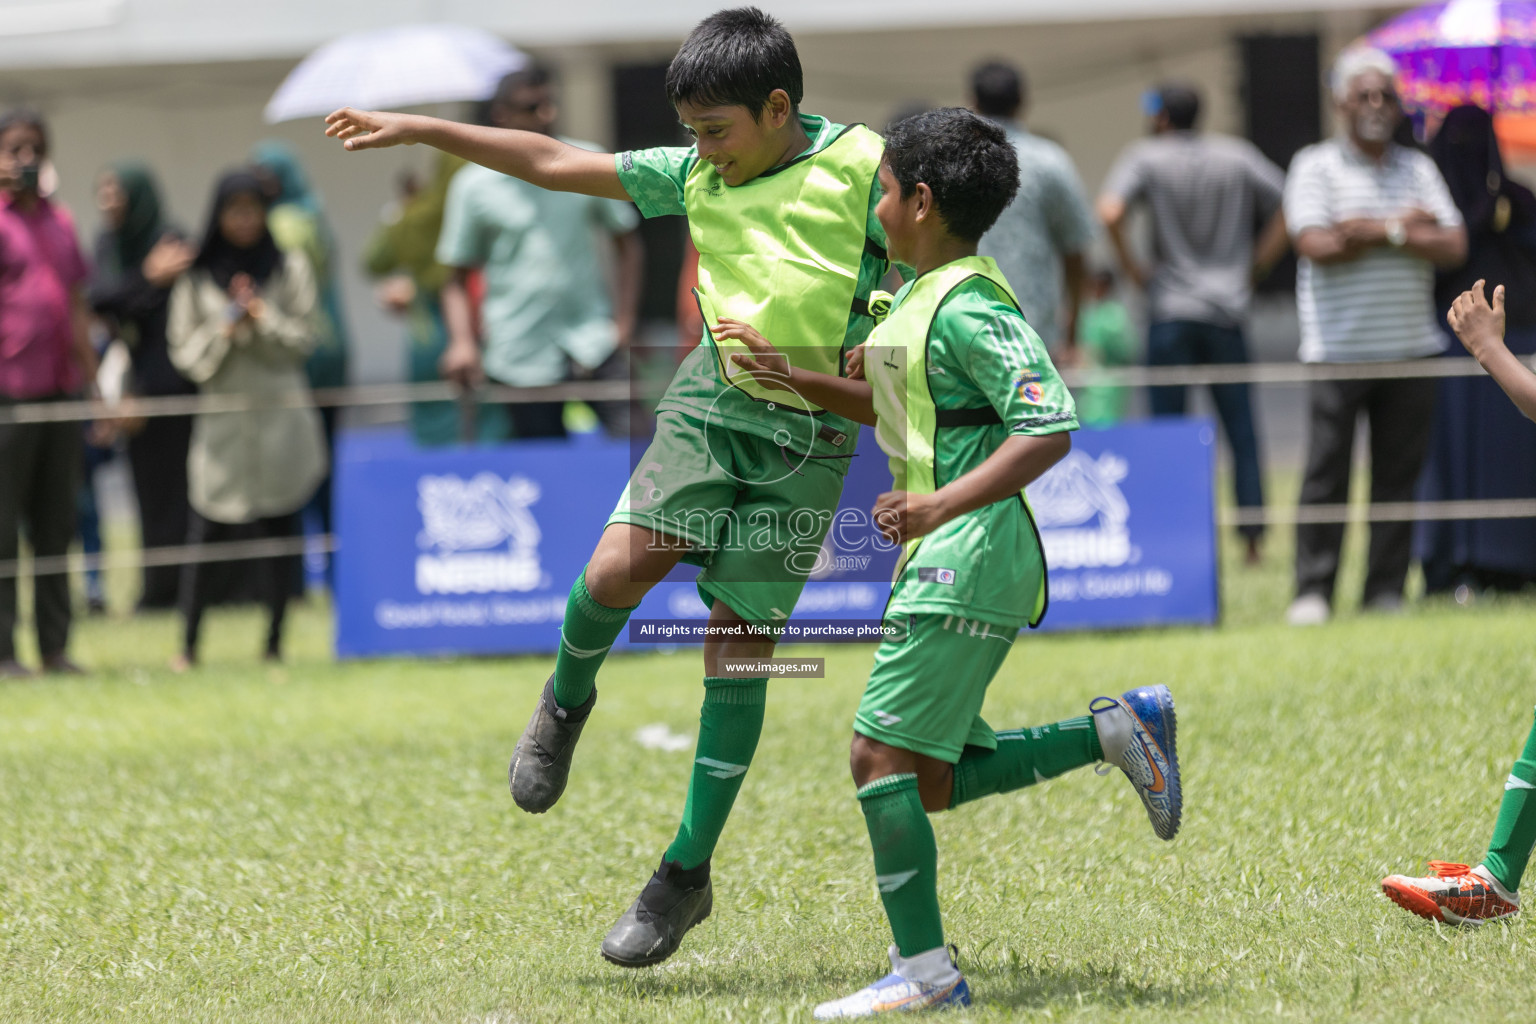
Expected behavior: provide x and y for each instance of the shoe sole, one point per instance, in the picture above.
(1174, 779)
(1420, 904)
(652, 961)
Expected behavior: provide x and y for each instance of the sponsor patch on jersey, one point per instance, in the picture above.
(935, 575)
(1027, 384)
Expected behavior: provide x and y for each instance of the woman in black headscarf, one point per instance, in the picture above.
(137, 260)
(1482, 447)
(241, 324)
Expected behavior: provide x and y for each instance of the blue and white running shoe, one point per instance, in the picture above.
(1137, 731)
(901, 990)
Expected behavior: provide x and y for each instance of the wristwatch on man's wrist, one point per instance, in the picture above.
(1397, 232)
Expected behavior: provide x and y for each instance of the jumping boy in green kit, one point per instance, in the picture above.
(780, 207)
(967, 405)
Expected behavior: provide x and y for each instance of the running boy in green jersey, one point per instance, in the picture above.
(779, 205)
(967, 405)
(1458, 894)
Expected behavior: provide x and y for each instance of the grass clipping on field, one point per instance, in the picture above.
(335, 843)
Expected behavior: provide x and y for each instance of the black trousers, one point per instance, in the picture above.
(39, 481)
(158, 454)
(275, 573)
(1401, 414)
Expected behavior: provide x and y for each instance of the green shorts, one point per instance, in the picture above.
(925, 692)
(752, 513)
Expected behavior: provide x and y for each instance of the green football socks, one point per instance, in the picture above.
(729, 724)
(1024, 757)
(1515, 832)
(906, 861)
(587, 633)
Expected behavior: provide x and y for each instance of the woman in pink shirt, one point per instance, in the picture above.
(45, 355)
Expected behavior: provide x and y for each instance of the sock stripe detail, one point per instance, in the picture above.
(742, 692)
(892, 882)
(888, 784)
(582, 652)
(1516, 782)
(722, 769)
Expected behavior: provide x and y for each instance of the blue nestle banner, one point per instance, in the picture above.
(473, 550)
(1128, 525)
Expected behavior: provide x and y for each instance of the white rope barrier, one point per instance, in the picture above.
(622, 391)
(182, 554)
(245, 550)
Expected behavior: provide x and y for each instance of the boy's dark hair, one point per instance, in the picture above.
(735, 58)
(966, 160)
(1181, 103)
(998, 88)
(28, 117)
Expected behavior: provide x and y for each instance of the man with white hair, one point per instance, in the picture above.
(1371, 220)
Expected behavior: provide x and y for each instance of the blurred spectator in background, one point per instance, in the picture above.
(402, 251)
(45, 355)
(1371, 220)
(1039, 240)
(297, 220)
(1104, 339)
(242, 323)
(138, 258)
(1204, 194)
(1481, 447)
(547, 315)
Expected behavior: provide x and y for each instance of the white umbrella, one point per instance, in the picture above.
(403, 66)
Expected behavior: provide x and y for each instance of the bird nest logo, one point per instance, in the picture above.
(478, 535)
(1082, 513)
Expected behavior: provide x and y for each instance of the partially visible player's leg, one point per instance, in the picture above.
(1514, 834)
(919, 710)
(1458, 894)
(663, 514)
(629, 560)
(762, 541)
(679, 894)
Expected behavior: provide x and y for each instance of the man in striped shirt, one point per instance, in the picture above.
(1371, 221)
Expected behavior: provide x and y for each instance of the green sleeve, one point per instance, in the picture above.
(1005, 360)
(654, 178)
(464, 240)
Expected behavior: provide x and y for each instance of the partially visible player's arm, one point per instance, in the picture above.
(1019, 461)
(1112, 212)
(537, 159)
(1481, 329)
(854, 399)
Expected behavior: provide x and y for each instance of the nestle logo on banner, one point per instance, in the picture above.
(1082, 513)
(478, 535)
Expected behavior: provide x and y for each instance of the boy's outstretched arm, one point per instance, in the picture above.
(537, 159)
(1019, 461)
(854, 399)
(1481, 329)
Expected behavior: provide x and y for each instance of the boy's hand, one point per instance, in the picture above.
(902, 515)
(369, 129)
(766, 364)
(1479, 325)
(855, 366)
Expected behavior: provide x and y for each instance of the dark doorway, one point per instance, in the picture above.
(643, 118)
(1282, 108)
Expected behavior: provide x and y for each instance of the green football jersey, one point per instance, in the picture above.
(986, 564)
(655, 180)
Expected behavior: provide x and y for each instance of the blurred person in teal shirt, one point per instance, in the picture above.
(1104, 339)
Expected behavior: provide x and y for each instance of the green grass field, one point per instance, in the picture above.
(334, 843)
